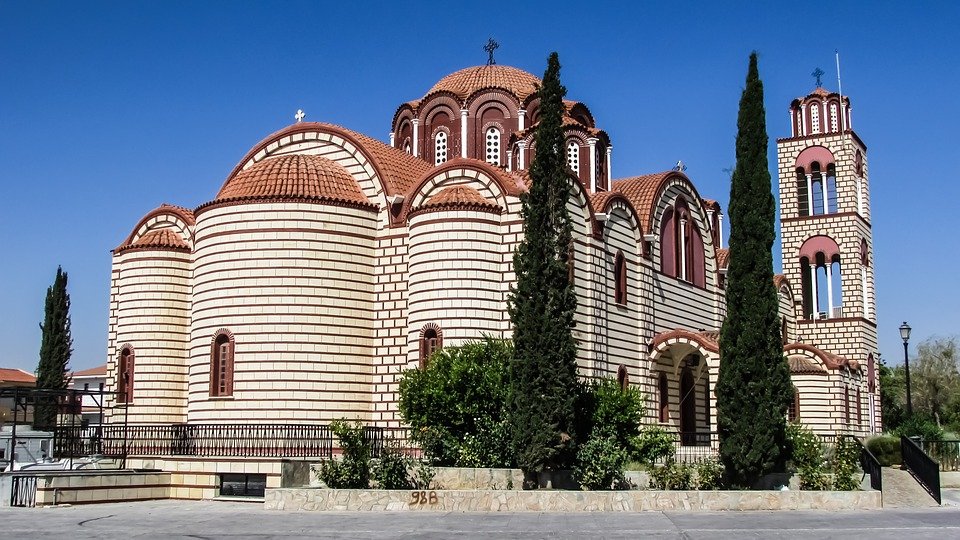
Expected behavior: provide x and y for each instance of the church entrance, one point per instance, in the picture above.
(688, 409)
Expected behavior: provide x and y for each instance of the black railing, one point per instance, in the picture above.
(689, 447)
(870, 465)
(224, 440)
(23, 490)
(922, 466)
(947, 453)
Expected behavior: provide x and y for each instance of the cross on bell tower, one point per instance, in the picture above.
(490, 47)
(818, 73)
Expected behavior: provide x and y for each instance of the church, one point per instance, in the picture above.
(329, 262)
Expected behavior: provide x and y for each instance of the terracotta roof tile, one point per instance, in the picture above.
(723, 257)
(400, 170)
(11, 375)
(802, 365)
(599, 199)
(709, 340)
(641, 190)
(294, 176)
(779, 280)
(459, 197)
(165, 238)
(92, 372)
(830, 360)
(465, 82)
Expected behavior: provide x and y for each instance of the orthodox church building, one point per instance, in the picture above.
(329, 262)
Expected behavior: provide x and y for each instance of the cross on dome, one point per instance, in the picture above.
(299, 116)
(490, 47)
(818, 73)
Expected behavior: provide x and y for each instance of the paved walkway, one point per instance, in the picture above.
(222, 520)
(901, 490)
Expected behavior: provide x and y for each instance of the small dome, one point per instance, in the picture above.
(465, 82)
(459, 197)
(294, 176)
(166, 239)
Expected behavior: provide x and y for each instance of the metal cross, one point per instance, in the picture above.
(490, 47)
(680, 167)
(818, 73)
(299, 116)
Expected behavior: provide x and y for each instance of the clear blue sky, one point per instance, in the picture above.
(109, 109)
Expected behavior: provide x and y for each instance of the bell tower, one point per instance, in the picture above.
(826, 233)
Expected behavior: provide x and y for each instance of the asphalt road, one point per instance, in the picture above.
(230, 520)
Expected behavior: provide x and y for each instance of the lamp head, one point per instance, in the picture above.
(905, 331)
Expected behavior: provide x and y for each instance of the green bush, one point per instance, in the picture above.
(604, 409)
(709, 474)
(456, 405)
(807, 457)
(672, 475)
(846, 457)
(920, 426)
(391, 470)
(352, 471)
(886, 448)
(600, 463)
(652, 445)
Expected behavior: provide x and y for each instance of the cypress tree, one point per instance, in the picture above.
(543, 372)
(753, 389)
(55, 349)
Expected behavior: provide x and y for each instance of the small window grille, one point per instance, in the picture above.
(493, 146)
(815, 118)
(833, 117)
(573, 156)
(440, 148)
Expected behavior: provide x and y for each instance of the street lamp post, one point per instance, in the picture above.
(905, 334)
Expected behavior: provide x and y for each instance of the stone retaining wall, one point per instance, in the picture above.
(339, 500)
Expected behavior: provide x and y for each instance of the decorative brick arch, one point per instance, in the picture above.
(222, 349)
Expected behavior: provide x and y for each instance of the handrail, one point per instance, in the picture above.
(870, 465)
(945, 451)
(924, 468)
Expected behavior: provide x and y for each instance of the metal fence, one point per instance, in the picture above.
(870, 465)
(23, 490)
(947, 453)
(922, 466)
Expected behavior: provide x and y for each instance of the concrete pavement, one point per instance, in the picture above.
(215, 520)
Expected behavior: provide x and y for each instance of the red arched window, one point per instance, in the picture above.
(664, 398)
(793, 413)
(620, 279)
(846, 405)
(623, 379)
(125, 375)
(431, 340)
(221, 364)
(668, 254)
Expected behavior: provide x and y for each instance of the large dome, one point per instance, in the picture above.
(465, 82)
(294, 176)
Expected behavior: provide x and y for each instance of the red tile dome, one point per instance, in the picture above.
(465, 82)
(458, 197)
(294, 177)
(162, 239)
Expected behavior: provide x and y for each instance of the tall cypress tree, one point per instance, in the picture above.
(55, 349)
(543, 373)
(754, 389)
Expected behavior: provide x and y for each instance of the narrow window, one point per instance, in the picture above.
(221, 364)
(833, 117)
(573, 156)
(668, 249)
(571, 263)
(817, 190)
(601, 167)
(783, 331)
(440, 147)
(431, 340)
(802, 193)
(493, 146)
(815, 117)
(622, 377)
(846, 405)
(620, 279)
(125, 375)
(858, 409)
(664, 402)
(793, 413)
(831, 206)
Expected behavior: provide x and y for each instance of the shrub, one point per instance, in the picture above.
(920, 426)
(391, 470)
(807, 457)
(652, 445)
(600, 463)
(352, 471)
(672, 475)
(886, 448)
(456, 405)
(709, 474)
(846, 454)
(604, 409)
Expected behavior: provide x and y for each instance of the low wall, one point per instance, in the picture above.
(949, 479)
(338, 500)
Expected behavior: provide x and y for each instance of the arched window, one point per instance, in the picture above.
(831, 185)
(815, 117)
(846, 405)
(664, 389)
(573, 156)
(601, 167)
(493, 146)
(706, 399)
(623, 380)
(817, 189)
(406, 147)
(668, 247)
(221, 364)
(571, 263)
(833, 116)
(793, 412)
(431, 341)
(803, 195)
(858, 163)
(783, 331)
(440, 147)
(620, 279)
(799, 131)
(125, 375)
(821, 283)
(858, 408)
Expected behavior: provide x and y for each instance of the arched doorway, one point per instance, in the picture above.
(688, 409)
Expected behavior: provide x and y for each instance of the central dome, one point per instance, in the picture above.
(294, 176)
(465, 82)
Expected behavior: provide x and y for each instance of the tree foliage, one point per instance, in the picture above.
(754, 387)
(456, 406)
(55, 348)
(543, 374)
(935, 380)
